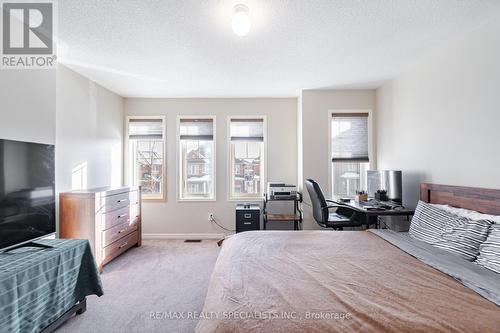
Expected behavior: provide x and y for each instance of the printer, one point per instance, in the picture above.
(277, 191)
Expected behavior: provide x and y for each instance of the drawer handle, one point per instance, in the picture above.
(247, 222)
(124, 244)
(247, 216)
(122, 230)
(121, 200)
(120, 216)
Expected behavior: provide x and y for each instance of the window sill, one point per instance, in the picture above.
(154, 197)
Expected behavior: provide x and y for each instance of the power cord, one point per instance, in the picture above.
(212, 220)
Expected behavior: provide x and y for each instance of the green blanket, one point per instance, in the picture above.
(39, 285)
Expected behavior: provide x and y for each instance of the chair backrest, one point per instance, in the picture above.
(318, 202)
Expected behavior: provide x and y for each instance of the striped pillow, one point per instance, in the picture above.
(489, 251)
(448, 231)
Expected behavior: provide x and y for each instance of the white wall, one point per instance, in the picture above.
(440, 122)
(89, 135)
(192, 217)
(316, 157)
(28, 105)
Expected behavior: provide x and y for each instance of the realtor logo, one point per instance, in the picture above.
(28, 35)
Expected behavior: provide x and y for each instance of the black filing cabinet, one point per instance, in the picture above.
(247, 217)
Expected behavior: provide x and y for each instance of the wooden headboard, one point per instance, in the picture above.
(483, 200)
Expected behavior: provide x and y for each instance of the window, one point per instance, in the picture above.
(350, 152)
(196, 159)
(247, 158)
(146, 146)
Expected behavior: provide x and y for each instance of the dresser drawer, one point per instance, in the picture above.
(123, 244)
(117, 201)
(115, 217)
(118, 231)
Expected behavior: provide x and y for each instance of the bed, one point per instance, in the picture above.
(42, 288)
(370, 281)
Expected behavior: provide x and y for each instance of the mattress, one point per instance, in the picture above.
(325, 281)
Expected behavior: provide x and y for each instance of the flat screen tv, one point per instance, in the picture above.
(27, 192)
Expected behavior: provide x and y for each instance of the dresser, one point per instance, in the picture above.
(110, 218)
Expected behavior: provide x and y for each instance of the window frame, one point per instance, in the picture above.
(371, 164)
(230, 153)
(151, 198)
(178, 158)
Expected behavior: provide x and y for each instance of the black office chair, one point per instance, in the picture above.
(342, 217)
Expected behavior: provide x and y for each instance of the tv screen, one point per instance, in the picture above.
(27, 192)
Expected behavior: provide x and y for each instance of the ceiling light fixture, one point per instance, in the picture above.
(241, 20)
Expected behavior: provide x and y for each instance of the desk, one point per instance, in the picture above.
(371, 213)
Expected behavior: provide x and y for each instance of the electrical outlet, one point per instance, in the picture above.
(211, 217)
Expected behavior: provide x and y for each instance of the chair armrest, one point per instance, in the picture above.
(337, 204)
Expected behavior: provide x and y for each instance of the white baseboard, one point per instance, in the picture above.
(183, 236)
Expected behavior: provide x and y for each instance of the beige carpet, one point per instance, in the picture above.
(161, 276)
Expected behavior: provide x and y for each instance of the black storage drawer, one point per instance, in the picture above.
(247, 218)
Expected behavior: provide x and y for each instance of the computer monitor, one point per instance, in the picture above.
(389, 180)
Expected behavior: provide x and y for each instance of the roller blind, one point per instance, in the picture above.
(350, 137)
(247, 130)
(196, 129)
(145, 129)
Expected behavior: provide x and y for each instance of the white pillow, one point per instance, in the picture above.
(448, 231)
(470, 214)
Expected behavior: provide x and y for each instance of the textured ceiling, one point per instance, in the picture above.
(186, 48)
